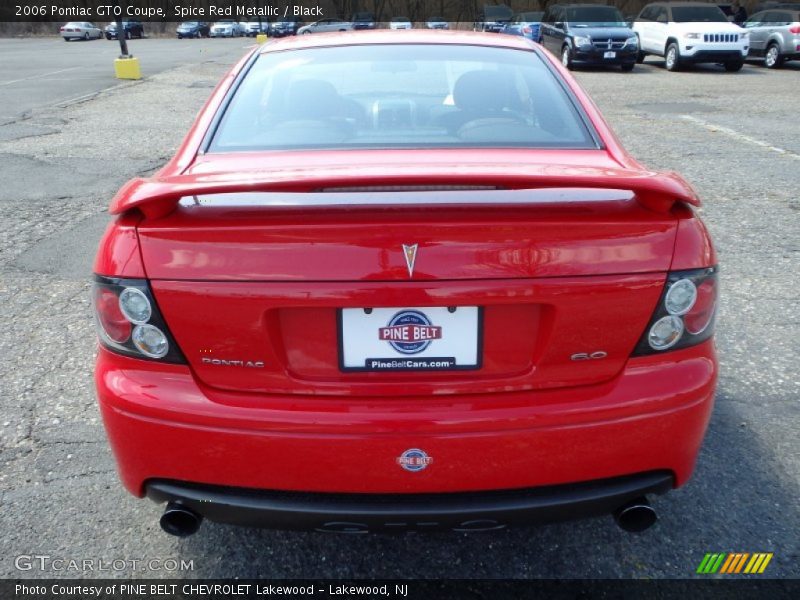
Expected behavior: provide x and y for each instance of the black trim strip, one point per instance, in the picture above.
(363, 513)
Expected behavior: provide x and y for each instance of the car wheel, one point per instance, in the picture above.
(86, 36)
(627, 67)
(640, 57)
(773, 59)
(306, 32)
(66, 39)
(673, 57)
(733, 66)
(566, 57)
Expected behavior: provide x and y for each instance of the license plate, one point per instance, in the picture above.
(610, 55)
(410, 339)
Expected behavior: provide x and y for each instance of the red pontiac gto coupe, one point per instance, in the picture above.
(399, 282)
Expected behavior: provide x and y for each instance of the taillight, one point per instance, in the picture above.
(685, 312)
(526, 30)
(128, 320)
(795, 28)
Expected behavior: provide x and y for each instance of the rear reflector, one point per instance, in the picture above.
(701, 314)
(112, 323)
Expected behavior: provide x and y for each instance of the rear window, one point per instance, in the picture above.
(400, 96)
(698, 14)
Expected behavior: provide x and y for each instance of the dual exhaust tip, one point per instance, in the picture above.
(180, 520)
(634, 516)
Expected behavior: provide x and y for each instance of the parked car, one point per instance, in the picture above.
(589, 34)
(437, 23)
(525, 24)
(775, 36)
(80, 30)
(400, 23)
(364, 20)
(131, 28)
(493, 18)
(285, 27)
(253, 27)
(689, 33)
(276, 352)
(226, 28)
(325, 26)
(192, 29)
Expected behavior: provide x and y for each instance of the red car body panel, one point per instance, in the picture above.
(162, 423)
(554, 280)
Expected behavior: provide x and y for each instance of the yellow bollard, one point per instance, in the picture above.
(127, 68)
(261, 38)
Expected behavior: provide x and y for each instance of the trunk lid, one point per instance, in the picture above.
(268, 276)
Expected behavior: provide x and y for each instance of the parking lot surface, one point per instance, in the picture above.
(736, 137)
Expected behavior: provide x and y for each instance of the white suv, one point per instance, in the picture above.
(690, 32)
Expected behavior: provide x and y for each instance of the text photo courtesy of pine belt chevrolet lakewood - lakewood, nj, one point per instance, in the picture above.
(359, 292)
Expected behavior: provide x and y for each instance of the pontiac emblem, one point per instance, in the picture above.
(410, 252)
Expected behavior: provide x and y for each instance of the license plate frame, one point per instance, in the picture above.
(468, 357)
(610, 54)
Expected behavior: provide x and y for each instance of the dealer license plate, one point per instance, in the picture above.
(410, 339)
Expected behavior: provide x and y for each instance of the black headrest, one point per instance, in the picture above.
(483, 91)
(312, 98)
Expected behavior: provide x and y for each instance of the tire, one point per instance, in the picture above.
(86, 36)
(627, 67)
(640, 57)
(734, 66)
(672, 57)
(566, 57)
(66, 39)
(772, 57)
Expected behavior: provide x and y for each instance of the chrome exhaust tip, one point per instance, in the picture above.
(635, 516)
(179, 520)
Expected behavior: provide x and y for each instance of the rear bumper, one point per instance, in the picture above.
(362, 513)
(163, 425)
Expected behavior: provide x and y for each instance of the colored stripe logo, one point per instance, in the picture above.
(731, 563)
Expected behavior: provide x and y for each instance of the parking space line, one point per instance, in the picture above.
(38, 76)
(740, 136)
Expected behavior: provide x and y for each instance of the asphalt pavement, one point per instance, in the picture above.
(736, 137)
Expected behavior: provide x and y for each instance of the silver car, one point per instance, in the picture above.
(80, 30)
(775, 35)
(325, 25)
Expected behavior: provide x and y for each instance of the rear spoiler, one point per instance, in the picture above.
(158, 196)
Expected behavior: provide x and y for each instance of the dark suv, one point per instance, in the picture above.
(493, 18)
(590, 34)
(131, 29)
